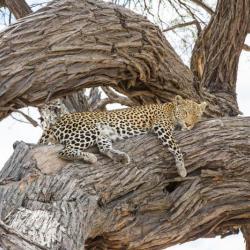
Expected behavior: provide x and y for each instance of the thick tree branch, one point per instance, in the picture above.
(216, 55)
(19, 8)
(77, 44)
(246, 233)
(127, 52)
(144, 205)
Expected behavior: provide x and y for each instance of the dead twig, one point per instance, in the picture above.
(246, 47)
(27, 117)
(180, 25)
(201, 4)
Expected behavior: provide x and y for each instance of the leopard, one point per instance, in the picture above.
(81, 130)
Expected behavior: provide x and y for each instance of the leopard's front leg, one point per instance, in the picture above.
(104, 145)
(165, 135)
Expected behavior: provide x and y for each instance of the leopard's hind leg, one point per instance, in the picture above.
(69, 152)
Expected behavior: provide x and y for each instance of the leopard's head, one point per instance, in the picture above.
(187, 112)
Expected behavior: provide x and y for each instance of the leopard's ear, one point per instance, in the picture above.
(178, 99)
(203, 106)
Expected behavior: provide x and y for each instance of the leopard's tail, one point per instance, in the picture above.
(45, 138)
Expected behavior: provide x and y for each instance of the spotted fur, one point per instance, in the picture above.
(79, 131)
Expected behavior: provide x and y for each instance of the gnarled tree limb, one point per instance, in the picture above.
(215, 57)
(108, 45)
(77, 44)
(19, 8)
(246, 233)
(143, 205)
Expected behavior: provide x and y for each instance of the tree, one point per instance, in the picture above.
(70, 45)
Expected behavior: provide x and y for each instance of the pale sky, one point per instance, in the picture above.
(12, 130)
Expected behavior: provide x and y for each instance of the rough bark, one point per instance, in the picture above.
(76, 44)
(19, 8)
(246, 233)
(216, 55)
(144, 205)
(127, 52)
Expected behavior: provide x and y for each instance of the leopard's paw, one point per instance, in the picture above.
(90, 158)
(124, 158)
(181, 168)
(120, 156)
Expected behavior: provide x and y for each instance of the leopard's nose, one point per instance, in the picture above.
(178, 127)
(188, 126)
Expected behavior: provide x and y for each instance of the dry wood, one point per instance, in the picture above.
(246, 47)
(19, 8)
(102, 44)
(180, 25)
(144, 205)
(216, 55)
(76, 44)
(246, 233)
(72, 44)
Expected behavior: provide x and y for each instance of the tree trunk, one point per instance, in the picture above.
(246, 233)
(216, 55)
(143, 205)
(19, 8)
